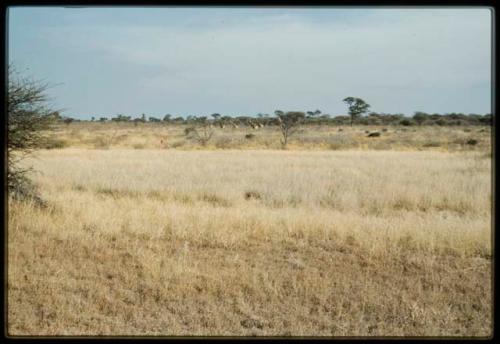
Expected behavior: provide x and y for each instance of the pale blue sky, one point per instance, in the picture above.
(242, 61)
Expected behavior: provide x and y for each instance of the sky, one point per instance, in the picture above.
(104, 61)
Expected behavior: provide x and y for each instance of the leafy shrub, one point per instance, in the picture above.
(249, 136)
(374, 134)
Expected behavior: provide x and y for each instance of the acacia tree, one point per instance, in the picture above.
(420, 117)
(201, 132)
(357, 107)
(27, 114)
(288, 123)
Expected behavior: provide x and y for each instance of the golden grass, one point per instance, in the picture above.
(253, 242)
(161, 136)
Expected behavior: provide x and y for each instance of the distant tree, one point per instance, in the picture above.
(313, 114)
(420, 117)
(324, 119)
(288, 122)
(440, 122)
(92, 119)
(143, 118)
(167, 118)
(357, 107)
(68, 120)
(179, 119)
(154, 119)
(486, 119)
(202, 131)
(121, 118)
(103, 119)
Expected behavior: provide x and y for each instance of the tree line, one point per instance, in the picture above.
(372, 118)
(357, 114)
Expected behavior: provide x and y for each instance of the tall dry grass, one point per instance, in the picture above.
(314, 243)
(310, 137)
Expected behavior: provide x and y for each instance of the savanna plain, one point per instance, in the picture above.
(146, 232)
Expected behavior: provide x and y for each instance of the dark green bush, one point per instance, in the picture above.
(406, 122)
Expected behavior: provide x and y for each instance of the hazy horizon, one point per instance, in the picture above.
(240, 61)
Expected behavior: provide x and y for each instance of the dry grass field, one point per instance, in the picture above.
(159, 136)
(340, 235)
